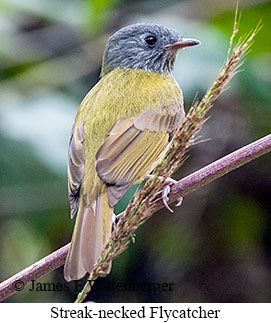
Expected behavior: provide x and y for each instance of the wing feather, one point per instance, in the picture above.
(76, 162)
(127, 155)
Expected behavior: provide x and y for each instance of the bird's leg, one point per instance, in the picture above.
(115, 219)
(166, 191)
(114, 222)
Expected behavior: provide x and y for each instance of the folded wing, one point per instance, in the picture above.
(132, 148)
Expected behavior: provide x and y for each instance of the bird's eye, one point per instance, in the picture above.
(151, 40)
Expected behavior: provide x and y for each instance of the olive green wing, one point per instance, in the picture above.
(132, 148)
(76, 162)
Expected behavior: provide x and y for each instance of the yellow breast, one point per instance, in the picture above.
(121, 94)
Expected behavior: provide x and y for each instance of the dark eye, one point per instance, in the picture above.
(150, 40)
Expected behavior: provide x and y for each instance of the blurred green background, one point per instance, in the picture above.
(217, 246)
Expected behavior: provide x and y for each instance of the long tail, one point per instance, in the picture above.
(91, 231)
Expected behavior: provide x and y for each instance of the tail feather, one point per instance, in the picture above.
(91, 231)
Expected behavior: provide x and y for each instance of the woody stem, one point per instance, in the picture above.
(181, 188)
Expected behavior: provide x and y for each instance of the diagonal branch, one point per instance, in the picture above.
(182, 188)
(217, 169)
(146, 202)
(40, 268)
(140, 207)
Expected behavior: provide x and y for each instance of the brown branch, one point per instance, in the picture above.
(217, 169)
(40, 268)
(182, 188)
(145, 203)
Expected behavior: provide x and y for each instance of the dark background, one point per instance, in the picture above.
(217, 246)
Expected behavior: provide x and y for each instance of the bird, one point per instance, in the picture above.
(121, 131)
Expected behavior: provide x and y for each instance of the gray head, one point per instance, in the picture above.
(145, 46)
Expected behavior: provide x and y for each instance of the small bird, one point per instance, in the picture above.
(121, 131)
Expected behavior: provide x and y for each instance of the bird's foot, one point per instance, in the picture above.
(115, 220)
(166, 191)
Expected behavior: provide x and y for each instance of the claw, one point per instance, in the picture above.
(165, 192)
(179, 201)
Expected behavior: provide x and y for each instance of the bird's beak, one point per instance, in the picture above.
(182, 43)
